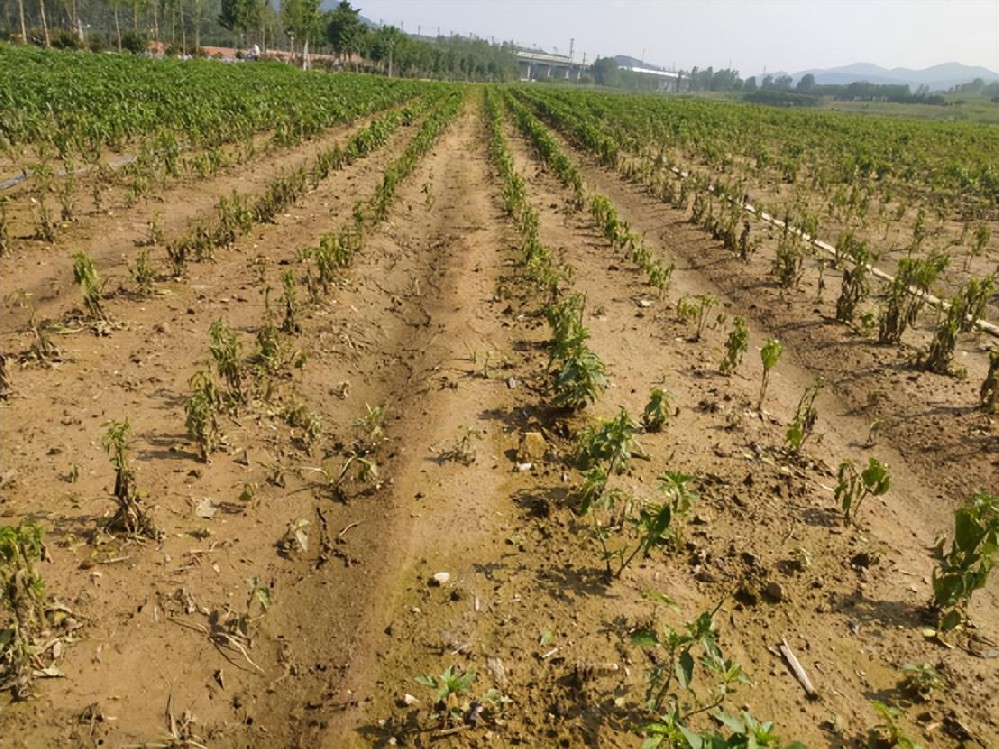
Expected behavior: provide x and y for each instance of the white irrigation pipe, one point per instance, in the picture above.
(934, 301)
(26, 175)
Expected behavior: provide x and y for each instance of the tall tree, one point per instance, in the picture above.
(344, 28)
(383, 45)
(24, 27)
(301, 21)
(240, 15)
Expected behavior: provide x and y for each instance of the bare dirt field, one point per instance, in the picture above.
(289, 598)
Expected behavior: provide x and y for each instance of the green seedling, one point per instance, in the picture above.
(888, 732)
(680, 500)
(448, 688)
(683, 659)
(735, 346)
(704, 303)
(658, 410)
(770, 354)
(692, 677)
(579, 380)
(965, 568)
(853, 486)
(611, 443)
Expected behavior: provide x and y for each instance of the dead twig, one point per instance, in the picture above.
(343, 532)
(798, 670)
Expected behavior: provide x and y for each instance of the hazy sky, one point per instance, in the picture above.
(772, 34)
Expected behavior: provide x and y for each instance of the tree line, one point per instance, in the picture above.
(300, 28)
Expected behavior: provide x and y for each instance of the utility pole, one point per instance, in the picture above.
(572, 48)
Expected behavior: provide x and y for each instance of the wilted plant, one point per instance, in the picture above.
(4, 378)
(202, 414)
(941, 352)
(988, 393)
(789, 262)
(463, 450)
(660, 275)
(22, 605)
(295, 540)
(974, 297)
(854, 486)
(658, 410)
(44, 224)
(966, 566)
(226, 351)
(735, 346)
(143, 273)
(805, 417)
(921, 680)
(269, 352)
(85, 276)
(301, 418)
(131, 516)
(4, 231)
(289, 325)
(770, 354)
(359, 467)
(372, 423)
(907, 295)
(855, 286)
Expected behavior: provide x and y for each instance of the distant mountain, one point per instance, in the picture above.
(938, 77)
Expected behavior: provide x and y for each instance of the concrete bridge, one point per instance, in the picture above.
(536, 66)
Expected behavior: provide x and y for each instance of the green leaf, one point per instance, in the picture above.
(695, 740)
(546, 638)
(655, 595)
(685, 669)
(644, 638)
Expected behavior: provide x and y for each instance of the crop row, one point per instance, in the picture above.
(604, 450)
(32, 629)
(76, 107)
(934, 160)
(718, 208)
